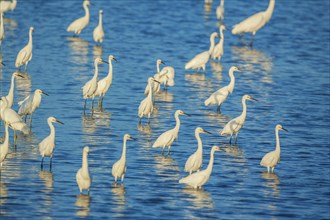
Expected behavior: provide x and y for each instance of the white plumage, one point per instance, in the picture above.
(234, 125)
(7, 5)
(220, 96)
(195, 161)
(2, 30)
(10, 96)
(198, 179)
(220, 12)
(155, 86)
(98, 33)
(166, 139)
(82, 177)
(79, 24)
(24, 56)
(4, 147)
(255, 22)
(218, 49)
(119, 168)
(200, 60)
(47, 145)
(271, 159)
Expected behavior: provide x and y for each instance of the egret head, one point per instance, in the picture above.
(2, 63)
(234, 68)
(39, 91)
(216, 148)
(86, 150)
(111, 57)
(223, 27)
(180, 112)
(86, 3)
(201, 130)
(128, 137)
(17, 74)
(214, 34)
(99, 60)
(100, 12)
(54, 120)
(159, 61)
(31, 29)
(249, 98)
(280, 127)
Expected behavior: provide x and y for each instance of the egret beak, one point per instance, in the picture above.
(114, 59)
(187, 114)
(162, 62)
(91, 3)
(220, 149)
(2, 63)
(225, 28)
(131, 138)
(253, 99)
(44, 93)
(57, 121)
(156, 81)
(20, 75)
(285, 129)
(207, 132)
(103, 61)
(238, 70)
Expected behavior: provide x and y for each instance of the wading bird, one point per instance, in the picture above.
(98, 33)
(4, 147)
(79, 24)
(82, 177)
(218, 49)
(24, 56)
(10, 96)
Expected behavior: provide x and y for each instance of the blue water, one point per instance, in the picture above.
(287, 71)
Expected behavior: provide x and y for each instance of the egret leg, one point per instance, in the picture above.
(252, 39)
(88, 191)
(236, 138)
(148, 118)
(42, 163)
(116, 179)
(25, 67)
(169, 150)
(102, 101)
(92, 106)
(50, 165)
(268, 169)
(99, 102)
(25, 118)
(122, 178)
(243, 41)
(163, 151)
(15, 138)
(273, 169)
(218, 109)
(85, 107)
(30, 121)
(230, 139)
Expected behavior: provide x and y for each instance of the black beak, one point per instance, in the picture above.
(60, 122)
(134, 139)
(103, 61)
(207, 132)
(285, 129)
(2, 63)
(187, 114)
(44, 93)
(19, 75)
(156, 81)
(239, 70)
(162, 62)
(253, 99)
(114, 59)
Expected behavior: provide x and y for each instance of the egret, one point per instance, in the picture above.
(195, 161)
(167, 138)
(234, 125)
(104, 84)
(4, 147)
(155, 86)
(200, 60)
(220, 12)
(119, 168)
(2, 30)
(146, 106)
(255, 22)
(24, 56)
(7, 5)
(166, 76)
(30, 104)
(79, 24)
(47, 145)
(220, 96)
(10, 117)
(218, 49)
(271, 159)
(82, 177)
(98, 33)
(198, 179)
(90, 87)
(10, 96)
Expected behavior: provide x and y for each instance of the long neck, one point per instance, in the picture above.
(177, 120)
(6, 141)
(278, 148)
(270, 9)
(123, 154)
(109, 76)
(221, 34)
(96, 73)
(210, 166)
(222, 2)
(100, 20)
(13, 5)
(231, 85)
(10, 95)
(86, 11)
(84, 162)
(157, 66)
(211, 44)
(150, 91)
(243, 115)
(30, 38)
(199, 141)
(52, 129)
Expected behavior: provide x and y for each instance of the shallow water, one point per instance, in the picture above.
(287, 71)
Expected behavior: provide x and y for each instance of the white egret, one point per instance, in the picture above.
(90, 87)
(167, 138)
(195, 161)
(198, 179)
(234, 125)
(10, 117)
(220, 12)
(146, 106)
(98, 33)
(166, 76)
(155, 86)
(255, 22)
(271, 159)
(218, 49)
(200, 60)
(10, 96)
(47, 145)
(2, 30)
(104, 84)
(7, 5)
(30, 104)
(119, 168)
(82, 177)
(79, 24)
(4, 147)
(24, 56)
(220, 96)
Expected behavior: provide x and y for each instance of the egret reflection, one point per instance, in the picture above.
(164, 96)
(200, 199)
(167, 168)
(47, 178)
(79, 50)
(217, 70)
(118, 194)
(272, 182)
(97, 52)
(232, 150)
(83, 205)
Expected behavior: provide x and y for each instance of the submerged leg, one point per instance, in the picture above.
(163, 151)
(273, 169)
(169, 150)
(85, 107)
(252, 39)
(15, 138)
(50, 163)
(92, 105)
(42, 163)
(30, 121)
(236, 138)
(122, 178)
(230, 139)
(218, 109)
(268, 168)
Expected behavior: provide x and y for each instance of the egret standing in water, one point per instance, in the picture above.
(220, 12)
(200, 60)
(198, 179)
(255, 22)
(220, 96)
(271, 159)
(79, 24)
(82, 177)
(218, 49)
(7, 5)
(195, 161)
(98, 33)
(10, 96)
(234, 125)
(4, 147)
(30, 104)
(24, 56)
(119, 168)
(90, 87)
(167, 138)
(104, 84)
(155, 86)
(47, 145)
(146, 106)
